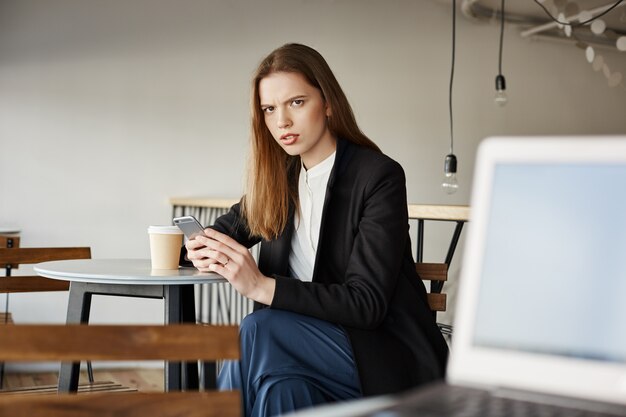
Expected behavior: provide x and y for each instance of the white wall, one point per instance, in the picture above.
(108, 108)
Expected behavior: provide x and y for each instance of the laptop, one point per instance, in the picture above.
(540, 327)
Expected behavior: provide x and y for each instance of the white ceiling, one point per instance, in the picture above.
(529, 15)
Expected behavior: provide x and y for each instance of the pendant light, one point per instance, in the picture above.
(450, 183)
(501, 98)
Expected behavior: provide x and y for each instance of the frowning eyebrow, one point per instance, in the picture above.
(298, 97)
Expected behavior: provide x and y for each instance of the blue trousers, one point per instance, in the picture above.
(290, 361)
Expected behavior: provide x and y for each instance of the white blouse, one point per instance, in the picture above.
(311, 194)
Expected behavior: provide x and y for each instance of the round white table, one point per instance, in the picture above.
(123, 271)
(129, 278)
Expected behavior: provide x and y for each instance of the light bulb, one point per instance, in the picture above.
(500, 98)
(450, 184)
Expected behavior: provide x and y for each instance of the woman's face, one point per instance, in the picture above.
(295, 113)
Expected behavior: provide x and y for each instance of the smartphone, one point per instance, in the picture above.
(190, 226)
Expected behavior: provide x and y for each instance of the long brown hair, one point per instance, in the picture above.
(272, 181)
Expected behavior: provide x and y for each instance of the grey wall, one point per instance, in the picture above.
(108, 108)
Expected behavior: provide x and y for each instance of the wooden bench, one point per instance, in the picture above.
(182, 342)
(98, 386)
(6, 318)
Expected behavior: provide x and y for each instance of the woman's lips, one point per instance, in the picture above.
(289, 139)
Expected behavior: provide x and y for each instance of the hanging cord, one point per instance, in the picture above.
(501, 37)
(580, 23)
(452, 75)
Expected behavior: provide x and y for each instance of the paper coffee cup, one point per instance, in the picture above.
(165, 244)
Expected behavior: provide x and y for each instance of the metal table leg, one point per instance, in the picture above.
(78, 308)
(180, 308)
(171, 295)
(188, 312)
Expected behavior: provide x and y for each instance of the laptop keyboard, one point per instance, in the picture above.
(485, 404)
(467, 402)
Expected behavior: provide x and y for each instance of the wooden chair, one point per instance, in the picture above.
(182, 342)
(7, 241)
(12, 256)
(437, 273)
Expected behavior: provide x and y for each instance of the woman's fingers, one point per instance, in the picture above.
(229, 254)
(223, 251)
(233, 261)
(193, 244)
(225, 240)
(209, 250)
(218, 256)
(201, 256)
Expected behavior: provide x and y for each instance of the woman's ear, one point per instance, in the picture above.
(329, 111)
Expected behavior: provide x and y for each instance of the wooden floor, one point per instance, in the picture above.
(142, 379)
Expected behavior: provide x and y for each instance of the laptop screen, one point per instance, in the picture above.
(553, 278)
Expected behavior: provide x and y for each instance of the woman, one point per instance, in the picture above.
(347, 315)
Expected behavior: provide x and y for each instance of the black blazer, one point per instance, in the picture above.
(364, 276)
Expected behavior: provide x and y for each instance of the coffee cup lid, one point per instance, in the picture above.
(165, 230)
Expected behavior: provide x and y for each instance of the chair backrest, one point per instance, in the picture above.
(15, 256)
(437, 301)
(181, 342)
(436, 273)
(10, 241)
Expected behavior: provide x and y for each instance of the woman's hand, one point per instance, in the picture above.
(217, 252)
(198, 256)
